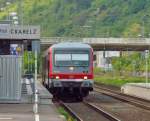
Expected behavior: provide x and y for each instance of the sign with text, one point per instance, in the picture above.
(19, 32)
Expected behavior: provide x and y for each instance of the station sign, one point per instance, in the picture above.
(19, 32)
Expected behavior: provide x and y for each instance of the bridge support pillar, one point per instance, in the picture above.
(104, 54)
(121, 53)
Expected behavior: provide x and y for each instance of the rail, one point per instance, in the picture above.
(145, 104)
(73, 114)
(101, 111)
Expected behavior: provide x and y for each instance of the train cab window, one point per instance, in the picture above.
(63, 57)
(79, 59)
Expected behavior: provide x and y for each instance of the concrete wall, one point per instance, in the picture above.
(140, 90)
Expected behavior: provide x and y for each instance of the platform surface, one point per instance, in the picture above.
(141, 90)
(24, 112)
(28, 92)
(43, 92)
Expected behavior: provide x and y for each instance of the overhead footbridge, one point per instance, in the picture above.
(100, 44)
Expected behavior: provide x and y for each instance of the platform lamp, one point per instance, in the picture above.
(15, 20)
(2, 9)
(13, 13)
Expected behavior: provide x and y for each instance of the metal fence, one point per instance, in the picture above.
(10, 77)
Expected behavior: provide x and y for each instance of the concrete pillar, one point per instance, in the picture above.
(104, 54)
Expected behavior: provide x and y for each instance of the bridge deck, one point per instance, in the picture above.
(113, 44)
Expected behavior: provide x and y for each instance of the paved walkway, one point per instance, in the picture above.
(24, 112)
(16, 112)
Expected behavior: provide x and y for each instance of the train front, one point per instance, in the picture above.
(72, 69)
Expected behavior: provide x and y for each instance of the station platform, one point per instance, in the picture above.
(23, 110)
(141, 90)
(28, 92)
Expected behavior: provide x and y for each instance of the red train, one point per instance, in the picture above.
(68, 69)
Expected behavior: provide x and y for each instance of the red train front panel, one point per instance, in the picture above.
(71, 70)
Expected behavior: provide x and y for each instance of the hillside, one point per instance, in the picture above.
(86, 18)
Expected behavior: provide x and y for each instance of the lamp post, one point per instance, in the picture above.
(7, 4)
(144, 19)
(20, 11)
(134, 64)
(146, 67)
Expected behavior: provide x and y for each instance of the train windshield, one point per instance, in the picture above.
(71, 59)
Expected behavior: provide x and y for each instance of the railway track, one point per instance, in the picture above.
(145, 104)
(85, 111)
(109, 105)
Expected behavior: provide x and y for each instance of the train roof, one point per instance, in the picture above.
(65, 45)
(71, 45)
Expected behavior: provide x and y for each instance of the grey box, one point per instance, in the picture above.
(10, 77)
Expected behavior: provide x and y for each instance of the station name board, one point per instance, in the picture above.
(19, 32)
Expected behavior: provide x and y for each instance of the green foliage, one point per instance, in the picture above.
(129, 68)
(117, 80)
(132, 62)
(64, 113)
(28, 61)
(97, 71)
(116, 18)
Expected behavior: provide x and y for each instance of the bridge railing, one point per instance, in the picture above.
(117, 40)
(53, 40)
(59, 39)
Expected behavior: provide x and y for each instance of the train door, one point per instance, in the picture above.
(48, 68)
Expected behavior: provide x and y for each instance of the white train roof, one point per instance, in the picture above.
(70, 45)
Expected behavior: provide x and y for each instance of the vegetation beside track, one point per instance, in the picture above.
(128, 68)
(113, 78)
(118, 81)
(65, 114)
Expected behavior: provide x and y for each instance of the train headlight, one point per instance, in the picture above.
(71, 68)
(57, 77)
(85, 77)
